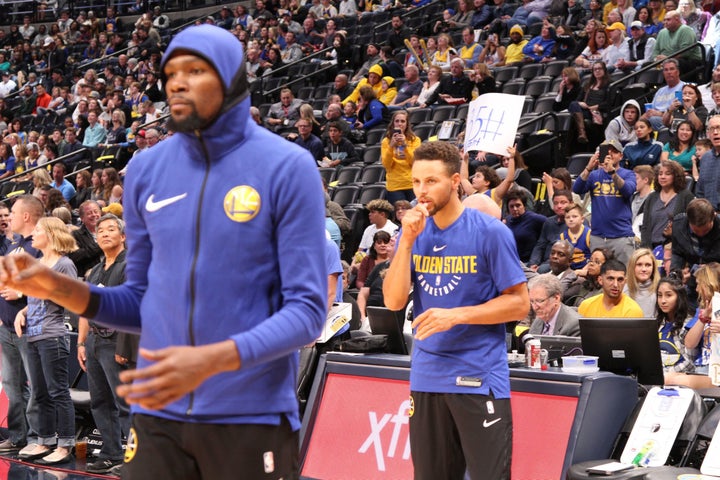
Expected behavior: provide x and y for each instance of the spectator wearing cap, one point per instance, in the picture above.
(514, 49)
(372, 58)
(374, 80)
(225, 20)
(114, 208)
(379, 213)
(618, 48)
(56, 58)
(292, 51)
(7, 85)
(610, 188)
(287, 20)
(640, 48)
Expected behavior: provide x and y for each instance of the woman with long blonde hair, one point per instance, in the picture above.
(642, 279)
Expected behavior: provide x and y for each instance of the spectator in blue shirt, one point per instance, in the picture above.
(60, 183)
(542, 45)
(309, 141)
(708, 184)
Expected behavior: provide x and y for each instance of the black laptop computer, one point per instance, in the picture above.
(386, 322)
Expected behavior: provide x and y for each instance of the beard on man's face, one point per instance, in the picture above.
(189, 123)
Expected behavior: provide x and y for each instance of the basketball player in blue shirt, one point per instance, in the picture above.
(467, 282)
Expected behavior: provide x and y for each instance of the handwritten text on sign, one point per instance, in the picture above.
(492, 122)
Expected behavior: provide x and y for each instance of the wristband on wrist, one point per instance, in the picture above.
(705, 320)
(81, 344)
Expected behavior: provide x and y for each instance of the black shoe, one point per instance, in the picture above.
(102, 465)
(9, 446)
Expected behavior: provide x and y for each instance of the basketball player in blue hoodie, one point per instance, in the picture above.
(225, 278)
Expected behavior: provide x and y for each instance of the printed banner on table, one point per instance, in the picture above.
(492, 122)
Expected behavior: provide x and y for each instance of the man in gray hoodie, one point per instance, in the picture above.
(622, 127)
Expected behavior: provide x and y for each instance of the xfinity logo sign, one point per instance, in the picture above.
(400, 432)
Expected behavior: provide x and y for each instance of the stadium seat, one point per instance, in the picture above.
(375, 136)
(371, 192)
(577, 162)
(531, 70)
(372, 174)
(326, 173)
(461, 111)
(545, 103)
(345, 194)
(514, 87)
(371, 154)
(424, 130)
(538, 86)
(419, 115)
(555, 68)
(505, 74)
(443, 112)
(347, 175)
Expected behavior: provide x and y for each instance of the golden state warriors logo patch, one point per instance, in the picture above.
(411, 408)
(131, 446)
(242, 204)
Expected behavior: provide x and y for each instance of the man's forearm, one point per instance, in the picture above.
(396, 285)
(70, 293)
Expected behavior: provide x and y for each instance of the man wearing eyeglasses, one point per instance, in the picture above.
(308, 141)
(708, 184)
(552, 317)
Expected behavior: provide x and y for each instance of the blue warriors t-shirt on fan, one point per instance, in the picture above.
(470, 262)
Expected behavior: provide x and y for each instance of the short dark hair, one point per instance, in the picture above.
(563, 193)
(516, 194)
(335, 124)
(614, 265)
(700, 212)
(443, 151)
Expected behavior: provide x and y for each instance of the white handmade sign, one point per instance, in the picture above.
(492, 122)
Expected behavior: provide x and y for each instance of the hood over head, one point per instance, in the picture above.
(376, 69)
(631, 103)
(211, 43)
